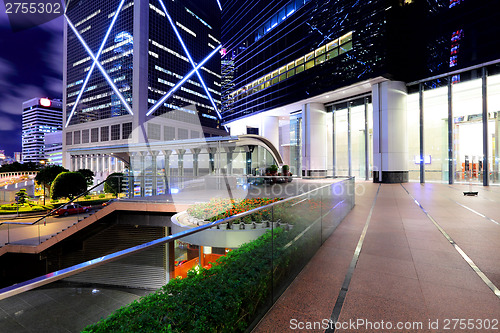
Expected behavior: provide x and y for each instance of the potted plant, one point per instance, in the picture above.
(286, 172)
(273, 169)
(272, 172)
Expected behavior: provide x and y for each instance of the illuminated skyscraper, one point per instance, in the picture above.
(157, 76)
(40, 117)
(389, 90)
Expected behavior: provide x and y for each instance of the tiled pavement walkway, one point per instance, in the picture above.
(407, 270)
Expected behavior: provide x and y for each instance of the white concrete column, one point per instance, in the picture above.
(196, 155)
(390, 140)
(269, 129)
(106, 168)
(166, 175)
(99, 162)
(154, 169)
(314, 144)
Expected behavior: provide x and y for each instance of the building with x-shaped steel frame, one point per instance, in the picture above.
(137, 72)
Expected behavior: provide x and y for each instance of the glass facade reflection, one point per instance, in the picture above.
(469, 163)
(436, 129)
(275, 70)
(417, 61)
(352, 139)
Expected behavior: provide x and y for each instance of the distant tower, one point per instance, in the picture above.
(40, 116)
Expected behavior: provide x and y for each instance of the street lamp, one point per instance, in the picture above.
(43, 185)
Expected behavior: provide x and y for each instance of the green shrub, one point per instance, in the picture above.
(87, 197)
(68, 185)
(92, 202)
(102, 195)
(114, 184)
(9, 207)
(225, 298)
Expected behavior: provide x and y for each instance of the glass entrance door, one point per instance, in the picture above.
(468, 132)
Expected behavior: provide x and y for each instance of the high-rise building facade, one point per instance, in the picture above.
(339, 86)
(157, 76)
(41, 116)
(53, 148)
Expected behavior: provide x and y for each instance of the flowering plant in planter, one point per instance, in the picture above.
(217, 208)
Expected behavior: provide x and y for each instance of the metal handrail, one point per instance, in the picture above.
(60, 274)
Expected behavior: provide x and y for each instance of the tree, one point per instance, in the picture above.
(47, 175)
(16, 166)
(22, 196)
(30, 166)
(113, 183)
(68, 185)
(88, 175)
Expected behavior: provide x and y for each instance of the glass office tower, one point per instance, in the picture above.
(144, 87)
(371, 72)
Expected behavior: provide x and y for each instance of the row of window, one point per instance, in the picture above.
(97, 134)
(323, 53)
(169, 133)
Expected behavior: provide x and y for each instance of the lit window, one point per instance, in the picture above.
(320, 51)
(332, 54)
(291, 69)
(345, 47)
(186, 29)
(332, 45)
(316, 57)
(320, 59)
(347, 37)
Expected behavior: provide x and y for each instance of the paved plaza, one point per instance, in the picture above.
(407, 271)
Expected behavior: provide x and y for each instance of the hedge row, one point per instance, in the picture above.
(13, 207)
(225, 298)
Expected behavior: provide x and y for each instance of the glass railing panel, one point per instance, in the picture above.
(32, 231)
(296, 247)
(187, 272)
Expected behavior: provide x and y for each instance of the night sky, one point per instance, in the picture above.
(30, 66)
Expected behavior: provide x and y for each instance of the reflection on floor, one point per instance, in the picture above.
(62, 308)
(407, 270)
